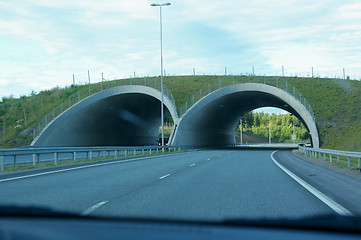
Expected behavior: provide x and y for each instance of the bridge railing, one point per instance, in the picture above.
(224, 81)
(34, 157)
(84, 91)
(352, 159)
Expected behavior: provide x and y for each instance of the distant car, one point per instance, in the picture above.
(308, 144)
(166, 139)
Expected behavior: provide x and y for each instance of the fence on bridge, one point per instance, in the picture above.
(232, 80)
(353, 159)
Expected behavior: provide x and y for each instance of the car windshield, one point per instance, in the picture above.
(185, 110)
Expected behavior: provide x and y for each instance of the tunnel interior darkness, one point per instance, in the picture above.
(216, 122)
(130, 119)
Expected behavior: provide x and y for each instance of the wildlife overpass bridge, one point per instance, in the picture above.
(130, 115)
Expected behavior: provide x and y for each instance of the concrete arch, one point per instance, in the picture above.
(212, 120)
(125, 115)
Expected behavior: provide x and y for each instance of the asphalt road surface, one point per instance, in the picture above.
(198, 185)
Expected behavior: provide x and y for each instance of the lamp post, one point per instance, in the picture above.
(161, 63)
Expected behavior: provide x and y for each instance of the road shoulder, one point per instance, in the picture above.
(336, 184)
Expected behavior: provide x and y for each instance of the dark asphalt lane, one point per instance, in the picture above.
(204, 185)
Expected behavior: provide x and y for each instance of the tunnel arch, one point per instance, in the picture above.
(212, 120)
(125, 115)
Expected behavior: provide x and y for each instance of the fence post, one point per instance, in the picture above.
(125, 152)
(115, 153)
(2, 163)
(150, 151)
(55, 158)
(14, 160)
(348, 162)
(142, 152)
(135, 152)
(90, 155)
(330, 158)
(74, 156)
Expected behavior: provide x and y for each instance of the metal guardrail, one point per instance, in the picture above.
(327, 154)
(32, 156)
(232, 80)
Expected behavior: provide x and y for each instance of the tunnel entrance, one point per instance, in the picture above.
(122, 116)
(213, 119)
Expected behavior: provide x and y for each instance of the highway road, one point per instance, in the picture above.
(210, 185)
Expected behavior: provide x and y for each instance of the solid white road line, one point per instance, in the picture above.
(167, 175)
(192, 165)
(82, 167)
(93, 208)
(329, 202)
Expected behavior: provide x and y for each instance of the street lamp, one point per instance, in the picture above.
(161, 63)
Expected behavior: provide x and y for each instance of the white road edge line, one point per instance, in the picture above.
(208, 159)
(192, 165)
(93, 208)
(81, 167)
(329, 202)
(167, 175)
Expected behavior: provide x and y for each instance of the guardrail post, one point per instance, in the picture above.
(348, 162)
(55, 158)
(34, 160)
(104, 153)
(324, 156)
(14, 160)
(115, 153)
(2, 163)
(330, 158)
(338, 158)
(163, 150)
(178, 148)
(142, 152)
(173, 149)
(125, 152)
(74, 156)
(168, 149)
(90, 155)
(150, 151)
(135, 152)
(157, 150)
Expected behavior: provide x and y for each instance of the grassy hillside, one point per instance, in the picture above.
(336, 105)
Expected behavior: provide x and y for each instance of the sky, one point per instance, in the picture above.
(43, 43)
